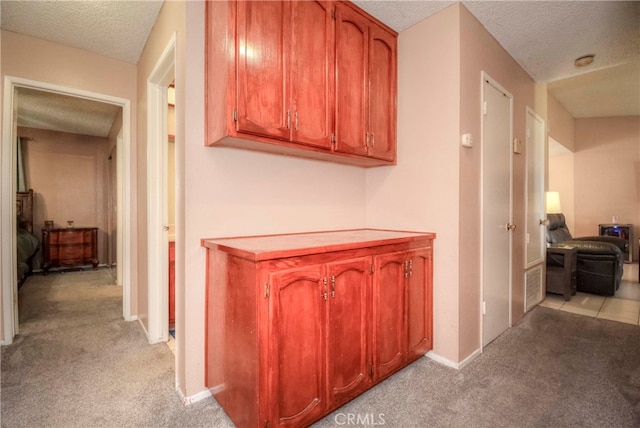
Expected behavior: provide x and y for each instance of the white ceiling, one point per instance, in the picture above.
(544, 37)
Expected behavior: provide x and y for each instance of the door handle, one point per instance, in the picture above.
(544, 222)
(165, 228)
(510, 226)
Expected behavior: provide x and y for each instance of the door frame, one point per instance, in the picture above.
(494, 83)
(159, 79)
(8, 188)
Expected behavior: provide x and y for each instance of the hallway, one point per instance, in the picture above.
(83, 365)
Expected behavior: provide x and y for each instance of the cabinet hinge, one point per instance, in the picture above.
(235, 115)
(267, 424)
(267, 291)
(333, 139)
(371, 370)
(371, 269)
(333, 14)
(484, 108)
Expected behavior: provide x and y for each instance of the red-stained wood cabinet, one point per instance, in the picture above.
(297, 325)
(271, 70)
(284, 55)
(366, 88)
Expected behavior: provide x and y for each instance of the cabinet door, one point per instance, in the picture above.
(261, 54)
(298, 305)
(389, 332)
(352, 39)
(419, 303)
(312, 59)
(382, 94)
(348, 336)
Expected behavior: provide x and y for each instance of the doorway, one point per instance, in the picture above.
(10, 318)
(158, 83)
(496, 209)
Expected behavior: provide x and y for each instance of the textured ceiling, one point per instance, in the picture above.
(117, 29)
(52, 111)
(544, 37)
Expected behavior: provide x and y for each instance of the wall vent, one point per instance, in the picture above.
(532, 288)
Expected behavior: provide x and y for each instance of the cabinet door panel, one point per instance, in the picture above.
(419, 304)
(351, 81)
(261, 55)
(312, 73)
(388, 311)
(298, 316)
(382, 94)
(348, 336)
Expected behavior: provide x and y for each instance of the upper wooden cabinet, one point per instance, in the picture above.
(366, 88)
(284, 53)
(312, 79)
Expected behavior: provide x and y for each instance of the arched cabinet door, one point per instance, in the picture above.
(297, 345)
(389, 338)
(419, 303)
(347, 328)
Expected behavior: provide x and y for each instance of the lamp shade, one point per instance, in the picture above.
(553, 203)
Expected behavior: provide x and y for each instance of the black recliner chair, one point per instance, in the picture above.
(600, 258)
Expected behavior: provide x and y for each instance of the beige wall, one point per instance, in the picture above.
(41, 61)
(435, 186)
(560, 125)
(69, 176)
(607, 173)
(561, 179)
(423, 191)
(481, 52)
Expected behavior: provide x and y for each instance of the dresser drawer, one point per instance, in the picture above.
(70, 237)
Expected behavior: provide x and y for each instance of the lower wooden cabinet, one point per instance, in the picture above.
(297, 325)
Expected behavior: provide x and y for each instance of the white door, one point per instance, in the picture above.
(535, 228)
(496, 210)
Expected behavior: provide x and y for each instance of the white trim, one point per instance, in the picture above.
(187, 401)
(157, 206)
(445, 361)
(7, 188)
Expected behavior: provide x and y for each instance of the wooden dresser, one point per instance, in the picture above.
(297, 325)
(70, 247)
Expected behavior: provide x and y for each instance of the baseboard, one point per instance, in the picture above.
(445, 361)
(193, 398)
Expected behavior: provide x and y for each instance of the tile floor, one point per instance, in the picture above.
(623, 307)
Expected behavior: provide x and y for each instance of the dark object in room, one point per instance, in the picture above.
(600, 258)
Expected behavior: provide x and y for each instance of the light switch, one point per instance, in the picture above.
(467, 140)
(517, 146)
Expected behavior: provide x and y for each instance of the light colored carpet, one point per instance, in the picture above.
(76, 363)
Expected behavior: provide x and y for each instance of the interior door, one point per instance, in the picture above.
(496, 210)
(535, 215)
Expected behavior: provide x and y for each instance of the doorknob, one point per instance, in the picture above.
(165, 228)
(511, 226)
